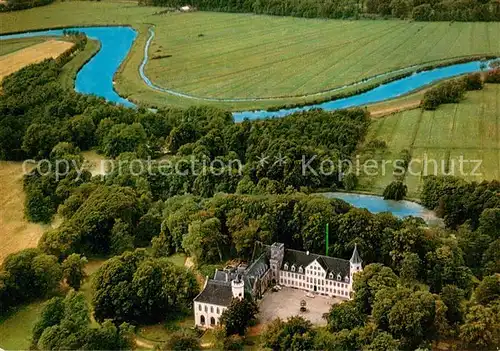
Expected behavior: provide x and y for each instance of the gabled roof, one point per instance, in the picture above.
(216, 292)
(329, 264)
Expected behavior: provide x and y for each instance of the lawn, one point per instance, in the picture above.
(15, 331)
(283, 59)
(469, 129)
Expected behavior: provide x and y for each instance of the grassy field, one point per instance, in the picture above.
(12, 45)
(469, 129)
(16, 60)
(16, 233)
(242, 55)
(15, 331)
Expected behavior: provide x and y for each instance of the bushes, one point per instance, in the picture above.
(448, 92)
(493, 76)
(395, 191)
(473, 81)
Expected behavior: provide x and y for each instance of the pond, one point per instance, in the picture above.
(96, 76)
(377, 204)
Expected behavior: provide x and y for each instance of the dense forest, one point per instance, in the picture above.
(421, 10)
(13, 5)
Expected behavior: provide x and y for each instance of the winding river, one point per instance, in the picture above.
(96, 77)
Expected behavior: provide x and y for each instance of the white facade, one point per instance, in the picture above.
(315, 279)
(207, 315)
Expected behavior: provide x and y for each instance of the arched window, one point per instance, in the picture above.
(202, 320)
(212, 321)
(206, 308)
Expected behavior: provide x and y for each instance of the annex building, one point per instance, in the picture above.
(274, 264)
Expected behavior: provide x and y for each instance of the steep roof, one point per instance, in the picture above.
(356, 258)
(329, 264)
(216, 292)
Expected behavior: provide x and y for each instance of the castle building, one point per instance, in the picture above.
(274, 264)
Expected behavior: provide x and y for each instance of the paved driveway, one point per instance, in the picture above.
(286, 303)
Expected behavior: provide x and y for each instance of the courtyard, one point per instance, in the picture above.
(286, 303)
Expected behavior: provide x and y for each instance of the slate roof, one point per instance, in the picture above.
(216, 292)
(329, 264)
(356, 259)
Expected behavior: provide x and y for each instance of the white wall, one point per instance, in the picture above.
(208, 311)
(315, 275)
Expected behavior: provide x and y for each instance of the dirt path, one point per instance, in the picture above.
(379, 112)
(13, 62)
(144, 344)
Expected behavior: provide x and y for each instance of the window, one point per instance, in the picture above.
(199, 307)
(330, 276)
(218, 312)
(206, 308)
(211, 309)
(339, 277)
(293, 268)
(285, 267)
(301, 270)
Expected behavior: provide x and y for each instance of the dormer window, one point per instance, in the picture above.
(330, 275)
(301, 270)
(346, 279)
(285, 266)
(339, 277)
(293, 268)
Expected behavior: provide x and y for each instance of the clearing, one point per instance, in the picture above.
(14, 61)
(16, 233)
(287, 60)
(470, 129)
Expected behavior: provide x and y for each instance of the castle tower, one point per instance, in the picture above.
(355, 263)
(277, 254)
(238, 287)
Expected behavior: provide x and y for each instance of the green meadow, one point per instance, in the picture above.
(469, 129)
(281, 59)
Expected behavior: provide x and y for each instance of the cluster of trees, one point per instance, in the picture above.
(493, 76)
(396, 190)
(453, 91)
(40, 120)
(391, 312)
(136, 287)
(65, 324)
(474, 211)
(421, 10)
(31, 274)
(13, 5)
